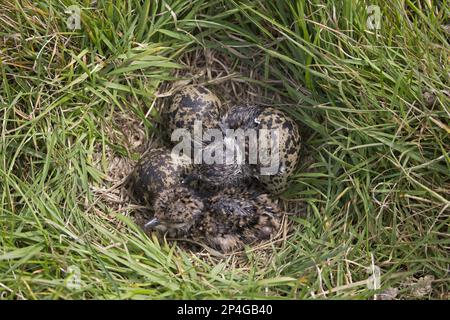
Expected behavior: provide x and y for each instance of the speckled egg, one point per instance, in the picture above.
(289, 142)
(190, 104)
(157, 170)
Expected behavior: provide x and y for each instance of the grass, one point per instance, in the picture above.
(373, 106)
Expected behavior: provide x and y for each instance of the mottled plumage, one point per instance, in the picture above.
(239, 216)
(218, 175)
(177, 210)
(226, 221)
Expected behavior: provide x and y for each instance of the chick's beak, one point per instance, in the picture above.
(152, 223)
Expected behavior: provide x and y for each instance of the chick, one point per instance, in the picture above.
(176, 211)
(225, 221)
(215, 176)
(239, 216)
(230, 163)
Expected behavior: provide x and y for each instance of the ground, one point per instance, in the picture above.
(368, 84)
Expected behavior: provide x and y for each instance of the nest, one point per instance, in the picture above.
(234, 84)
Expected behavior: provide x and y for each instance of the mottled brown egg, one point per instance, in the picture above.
(289, 141)
(157, 170)
(190, 104)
